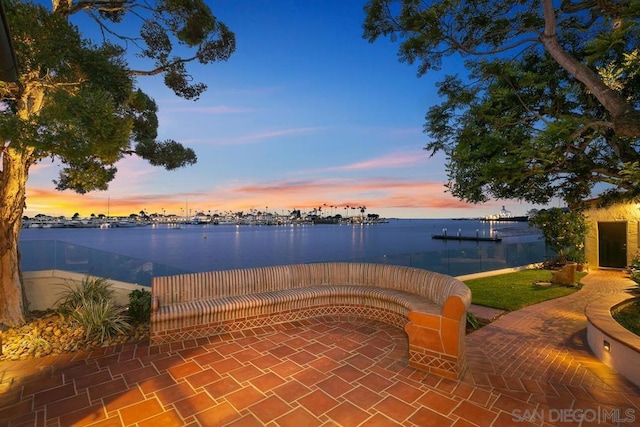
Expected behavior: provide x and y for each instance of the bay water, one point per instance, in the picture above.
(197, 248)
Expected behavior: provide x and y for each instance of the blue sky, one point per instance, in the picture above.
(306, 113)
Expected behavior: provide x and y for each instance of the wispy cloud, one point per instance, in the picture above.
(396, 160)
(216, 109)
(43, 165)
(392, 160)
(265, 135)
(378, 192)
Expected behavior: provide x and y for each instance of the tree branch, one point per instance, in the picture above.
(592, 125)
(101, 5)
(610, 99)
(455, 43)
(162, 68)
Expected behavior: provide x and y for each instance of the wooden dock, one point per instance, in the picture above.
(473, 238)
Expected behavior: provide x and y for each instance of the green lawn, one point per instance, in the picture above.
(512, 291)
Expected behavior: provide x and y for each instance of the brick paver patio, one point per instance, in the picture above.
(530, 367)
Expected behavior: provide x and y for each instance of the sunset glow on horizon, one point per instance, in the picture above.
(305, 114)
(387, 197)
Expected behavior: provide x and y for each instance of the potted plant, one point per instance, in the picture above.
(577, 255)
(563, 232)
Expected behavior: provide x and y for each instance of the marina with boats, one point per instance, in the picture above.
(253, 217)
(200, 218)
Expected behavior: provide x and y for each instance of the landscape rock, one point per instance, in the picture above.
(47, 333)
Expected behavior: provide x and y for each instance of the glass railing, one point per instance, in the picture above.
(37, 255)
(53, 254)
(459, 262)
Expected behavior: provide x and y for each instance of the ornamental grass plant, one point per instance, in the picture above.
(90, 289)
(91, 306)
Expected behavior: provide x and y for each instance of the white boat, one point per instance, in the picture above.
(200, 219)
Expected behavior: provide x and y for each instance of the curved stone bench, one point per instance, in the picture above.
(430, 307)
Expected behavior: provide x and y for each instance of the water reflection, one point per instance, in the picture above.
(231, 246)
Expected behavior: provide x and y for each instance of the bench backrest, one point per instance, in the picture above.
(217, 284)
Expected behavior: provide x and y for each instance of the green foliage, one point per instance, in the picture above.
(635, 263)
(634, 272)
(563, 232)
(473, 322)
(90, 289)
(34, 341)
(629, 317)
(101, 319)
(76, 101)
(91, 306)
(140, 305)
(513, 291)
(89, 112)
(522, 126)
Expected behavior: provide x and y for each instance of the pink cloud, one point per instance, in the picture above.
(393, 160)
(376, 194)
(257, 137)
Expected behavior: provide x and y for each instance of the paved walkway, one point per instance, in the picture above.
(530, 365)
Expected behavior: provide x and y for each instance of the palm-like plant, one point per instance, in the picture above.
(90, 289)
(92, 307)
(101, 319)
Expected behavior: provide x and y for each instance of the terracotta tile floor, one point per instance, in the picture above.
(530, 367)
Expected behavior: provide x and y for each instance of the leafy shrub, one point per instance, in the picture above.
(101, 319)
(91, 289)
(634, 273)
(563, 232)
(140, 305)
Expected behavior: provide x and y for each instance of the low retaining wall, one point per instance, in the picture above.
(43, 288)
(614, 345)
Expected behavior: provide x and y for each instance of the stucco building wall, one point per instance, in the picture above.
(626, 213)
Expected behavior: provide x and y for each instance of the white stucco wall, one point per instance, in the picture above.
(43, 288)
(629, 213)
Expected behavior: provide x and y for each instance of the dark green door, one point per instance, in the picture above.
(612, 246)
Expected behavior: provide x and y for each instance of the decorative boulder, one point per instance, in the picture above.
(566, 275)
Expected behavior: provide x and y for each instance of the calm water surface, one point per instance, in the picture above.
(219, 247)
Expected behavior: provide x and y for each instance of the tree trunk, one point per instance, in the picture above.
(13, 179)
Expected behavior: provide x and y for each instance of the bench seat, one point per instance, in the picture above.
(205, 312)
(183, 307)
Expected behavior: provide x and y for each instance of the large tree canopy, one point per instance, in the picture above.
(76, 99)
(551, 104)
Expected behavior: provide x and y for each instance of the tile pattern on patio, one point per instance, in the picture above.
(530, 365)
